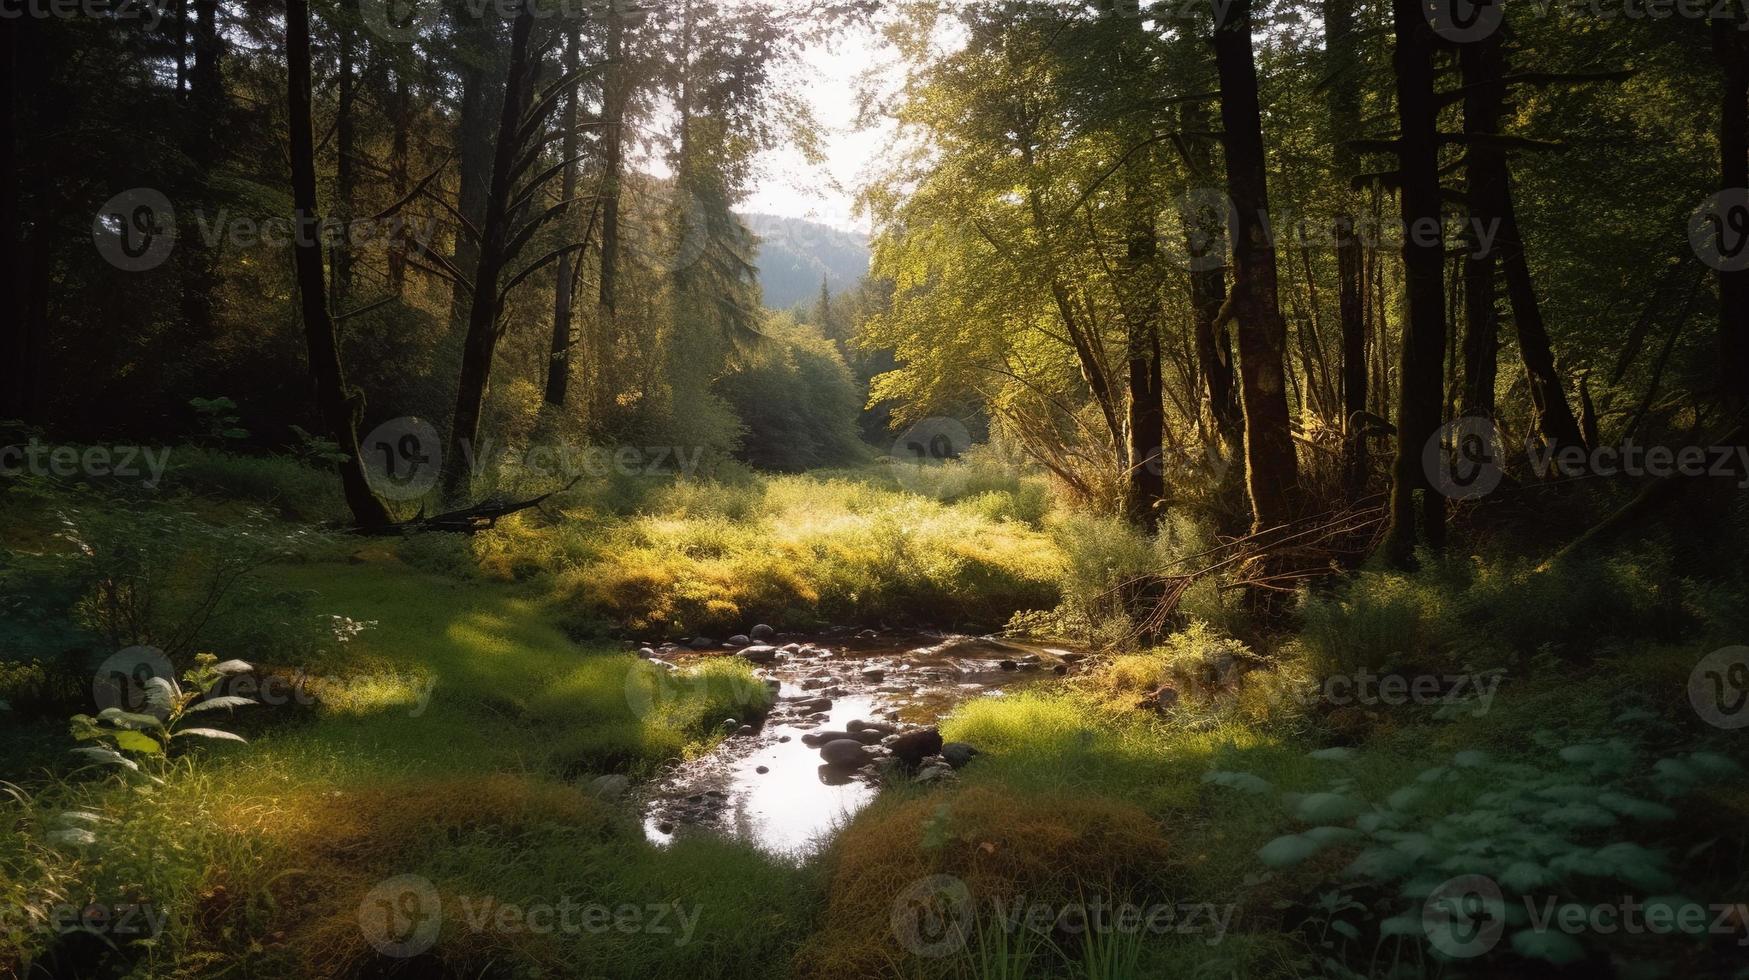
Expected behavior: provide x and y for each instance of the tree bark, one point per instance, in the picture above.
(1342, 56)
(1208, 290)
(559, 351)
(345, 147)
(1420, 388)
(1147, 405)
(401, 112)
(206, 105)
(481, 95)
(1272, 468)
(1732, 51)
(1483, 73)
(480, 345)
(340, 407)
(14, 350)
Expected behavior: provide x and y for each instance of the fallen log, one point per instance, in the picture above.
(469, 520)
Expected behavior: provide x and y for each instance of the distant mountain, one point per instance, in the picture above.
(794, 255)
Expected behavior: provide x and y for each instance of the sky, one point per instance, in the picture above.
(828, 78)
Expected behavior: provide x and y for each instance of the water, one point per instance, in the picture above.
(798, 800)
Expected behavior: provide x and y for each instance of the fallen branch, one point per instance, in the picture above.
(469, 520)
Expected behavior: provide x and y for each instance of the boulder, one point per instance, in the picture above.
(1162, 699)
(957, 754)
(702, 643)
(830, 735)
(885, 728)
(916, 745)
(811, 705)
(759, 653)
(645, 653)
(845, 753)
(739, 640)
(762, 632)
(874, 675)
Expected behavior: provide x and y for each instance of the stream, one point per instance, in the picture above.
(768, 783)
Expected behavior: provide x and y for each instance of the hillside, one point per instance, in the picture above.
(794, 255)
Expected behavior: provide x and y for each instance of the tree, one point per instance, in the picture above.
(1272, 466)
(339, 405)
(1419, 392)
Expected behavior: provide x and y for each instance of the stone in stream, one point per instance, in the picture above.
(1008, 665)
(763, 632)
(810, 705)
(702, 643)
(744, 731)
(917, 745)
(761, 770)
(957, 754)
(845, 753)
(739, 640)
(832, 735)
(759, 653)
(646, 653)
(872, 726)
(874, 675)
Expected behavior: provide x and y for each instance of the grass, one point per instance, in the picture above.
(451, 737)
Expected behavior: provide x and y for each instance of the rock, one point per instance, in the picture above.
(731, 723)
(610, 787)
(872, 726)
(813, 683)
(702, 643)
(744, 731)
(761, 770)
(665, 827)
(874, 675)
(932, 771)
(957, 754)
(868, 736)
(1060, 669)
(915, 746)
(792, 648)
(762, 632)
(845, 753)
(811, 705)
(1008, 665)
(646, 653)
(868, 634)
(739, 640)
(759, 653)
(783, 738)
(831, 735)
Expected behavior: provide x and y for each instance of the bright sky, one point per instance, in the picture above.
(829, 77)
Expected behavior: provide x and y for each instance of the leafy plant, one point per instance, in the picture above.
(119, 736)
(217, 419)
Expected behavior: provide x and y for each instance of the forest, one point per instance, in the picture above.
(913, 489)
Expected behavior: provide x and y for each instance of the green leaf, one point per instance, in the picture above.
(109, 756)
(1554, 947)
(1287, 851)
(128, 719)
(1328, 808)
(132, 741)
(212, 733)
(227, 701)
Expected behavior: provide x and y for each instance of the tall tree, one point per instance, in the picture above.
(1342, 73)
(1732, 51)
(565, 286)
(339, 405)
(1419, 391)
(1271, 464)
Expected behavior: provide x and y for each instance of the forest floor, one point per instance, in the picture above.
(422, 794)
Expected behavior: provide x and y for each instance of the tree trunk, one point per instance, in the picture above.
(1420, 386)
(401, 112)
(205, 113)
(1147, 406)
(345, 146)
(1484, 95)
(14, 349)
(1205, 233)
(340, 407)
(1272, 469)
(1554, 416)
(481, 343)
(481, 96)
(559, 351)
(1342, 56)
(1732, 50)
